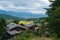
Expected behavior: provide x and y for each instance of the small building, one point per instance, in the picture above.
(14, 29)
(33, 26)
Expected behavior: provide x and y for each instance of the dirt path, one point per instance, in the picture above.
(42, 38)
(45, 38)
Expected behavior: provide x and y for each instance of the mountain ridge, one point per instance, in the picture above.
(5, 16)
(24, 15)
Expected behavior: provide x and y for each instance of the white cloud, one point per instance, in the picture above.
(2, 8)
(33, 6)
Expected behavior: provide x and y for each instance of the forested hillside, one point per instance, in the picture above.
(5, 16)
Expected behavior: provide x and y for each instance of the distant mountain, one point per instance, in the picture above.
(24, 15)
(8, 17)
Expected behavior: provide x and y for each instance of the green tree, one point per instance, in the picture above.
(2, 29)
(16, 21)
(54, 16)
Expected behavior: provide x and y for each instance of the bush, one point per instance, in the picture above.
(27, 35)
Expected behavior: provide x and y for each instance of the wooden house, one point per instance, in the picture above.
(33, 27)
(14, 29)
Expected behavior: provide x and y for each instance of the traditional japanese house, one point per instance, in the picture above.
(14, 29)
(33, 26)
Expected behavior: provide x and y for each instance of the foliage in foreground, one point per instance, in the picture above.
(27, 35)
(2, 29)
(54, 17)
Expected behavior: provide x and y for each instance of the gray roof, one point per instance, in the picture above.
(13, 25)
(13, 32)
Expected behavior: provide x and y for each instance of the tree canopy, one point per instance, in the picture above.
(2, 29)
(54, 16)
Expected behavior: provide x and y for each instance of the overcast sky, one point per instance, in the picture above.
(32, 6)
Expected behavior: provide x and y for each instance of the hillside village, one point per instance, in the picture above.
(29, 19)
(15, 28)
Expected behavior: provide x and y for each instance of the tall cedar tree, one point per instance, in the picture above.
(54, 16)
